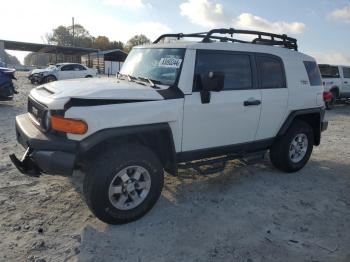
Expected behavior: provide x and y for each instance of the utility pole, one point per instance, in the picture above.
(73, 30)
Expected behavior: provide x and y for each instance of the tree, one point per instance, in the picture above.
(116, 45)
(11, 60)
(136, 40)
(64, 36)
(60, 36)
(101, 42)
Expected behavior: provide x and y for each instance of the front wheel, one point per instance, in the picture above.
(123, 183)
(49, 79)
(291, 152)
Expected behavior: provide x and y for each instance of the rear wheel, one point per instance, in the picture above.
(123, 183)
(292, 151)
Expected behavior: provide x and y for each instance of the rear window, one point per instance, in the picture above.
(313, 72)
(328, 71)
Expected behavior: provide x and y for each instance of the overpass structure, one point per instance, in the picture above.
(43, 48)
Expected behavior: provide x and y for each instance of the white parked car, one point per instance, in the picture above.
(336, 79)
(60, 71)
(175, 105)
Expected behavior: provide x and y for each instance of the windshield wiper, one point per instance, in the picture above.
(150, 81)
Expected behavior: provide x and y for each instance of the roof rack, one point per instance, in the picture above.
(262, 38)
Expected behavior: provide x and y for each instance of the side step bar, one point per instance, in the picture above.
(218, 164)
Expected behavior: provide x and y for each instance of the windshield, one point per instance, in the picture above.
(328, 71)
(161, 65)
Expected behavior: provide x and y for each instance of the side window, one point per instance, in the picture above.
(67, 68)
(79, 67)
(235, 67)
(313, 72)
(346, 71)
(271, 72)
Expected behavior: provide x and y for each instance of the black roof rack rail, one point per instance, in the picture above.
(262, 38)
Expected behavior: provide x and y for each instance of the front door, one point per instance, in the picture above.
(232, 115)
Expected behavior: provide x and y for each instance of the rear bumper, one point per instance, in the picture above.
(45, 153)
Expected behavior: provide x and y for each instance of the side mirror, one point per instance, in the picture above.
(212, 81)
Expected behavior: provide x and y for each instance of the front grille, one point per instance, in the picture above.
(37, 112)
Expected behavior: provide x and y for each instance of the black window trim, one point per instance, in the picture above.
(252, 67)
(345, 67)
(257, 55)
(256, 75)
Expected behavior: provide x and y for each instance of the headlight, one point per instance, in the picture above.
(46, 122)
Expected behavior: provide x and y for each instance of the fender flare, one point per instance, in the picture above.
(101, 136)
(300, 113)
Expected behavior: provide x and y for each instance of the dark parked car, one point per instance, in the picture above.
(7, 89)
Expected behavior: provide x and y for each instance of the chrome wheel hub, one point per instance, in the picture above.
(298, 148)
(129, 187)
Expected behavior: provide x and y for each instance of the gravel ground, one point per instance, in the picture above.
(247, 213)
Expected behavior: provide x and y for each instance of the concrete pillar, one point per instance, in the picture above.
(2, 52)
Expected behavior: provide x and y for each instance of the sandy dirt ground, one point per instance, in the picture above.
(247, 213)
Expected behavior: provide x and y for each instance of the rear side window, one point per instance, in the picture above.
(346, 71)
(271, 72)
(235, 67)
(313, 72)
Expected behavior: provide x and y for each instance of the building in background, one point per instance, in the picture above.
(106, 62)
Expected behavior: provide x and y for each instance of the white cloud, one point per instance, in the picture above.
(250, 21)
(204, 13)
(342, 14)
(210, 14)
(132, 4)
(335, 58)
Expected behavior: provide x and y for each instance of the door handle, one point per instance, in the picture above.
(252, 103)
(345, 82)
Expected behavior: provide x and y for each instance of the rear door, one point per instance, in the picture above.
(79, 71)
(346, 81)
(273, 86)
(66, 72)
(232, 115)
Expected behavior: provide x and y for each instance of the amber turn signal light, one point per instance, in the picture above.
(68, 125)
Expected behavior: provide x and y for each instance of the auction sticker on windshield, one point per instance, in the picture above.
(170, 62)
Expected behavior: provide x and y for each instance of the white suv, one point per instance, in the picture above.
(180, 104)
(60, 71)
(336, 79)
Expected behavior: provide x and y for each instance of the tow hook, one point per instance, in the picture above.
(26, 165)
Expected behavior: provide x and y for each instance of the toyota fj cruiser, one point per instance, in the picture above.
(174, 104)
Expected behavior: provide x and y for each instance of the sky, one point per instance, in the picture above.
(322, 27)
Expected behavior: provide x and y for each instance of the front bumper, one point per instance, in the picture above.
(45, 153)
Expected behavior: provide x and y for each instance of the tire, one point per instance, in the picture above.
(330, 105)
(49, 78)
(88, 76)
(280, 154)
(104, 177)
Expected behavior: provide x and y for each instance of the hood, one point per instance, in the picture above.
(7, 70)
(95, 88)
(37, 71)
